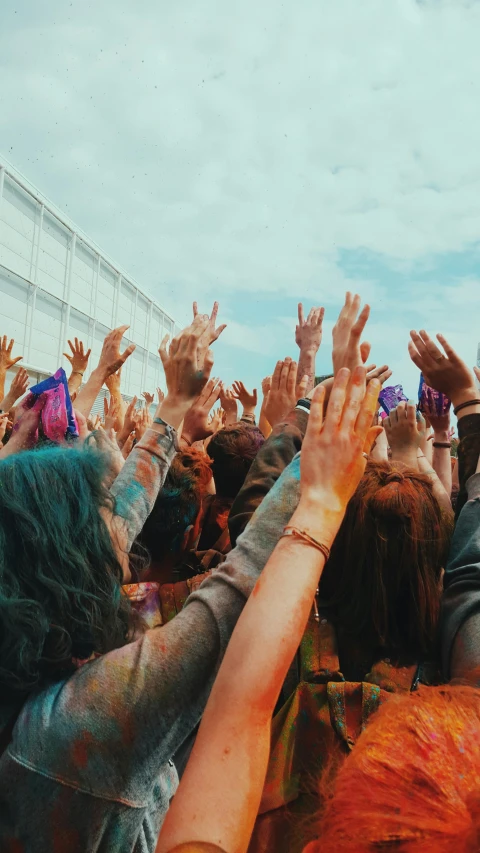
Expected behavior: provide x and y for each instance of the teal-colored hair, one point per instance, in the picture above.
(60, 579)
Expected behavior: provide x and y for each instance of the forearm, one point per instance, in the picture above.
(235, 729)
(306, 366)
(7, 403)
(461, 595)
(90, 391)
(263, 423)
(3, 374)
(137, 486)
(119, 402)
(441, 462)
(74, 381)
(468, 452)
(438, 488)
(272, 459)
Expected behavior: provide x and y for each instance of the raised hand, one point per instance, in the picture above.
(111, 359)
(406, 432)
(282, 396)
(149, 398)
(160, 396)
(187, 365)
(129, 423)
(216, 421)
(3, 426)
(335, 446)
(18, 388)
(381, 373)
(111, 410)
(248, 401)
(266, 385)
(78, 357)
(228, 403)
(445, 371)
(143, 422)
(213, 333)
(6, 360)
(197, 425)
(347, 349)
(308, 333)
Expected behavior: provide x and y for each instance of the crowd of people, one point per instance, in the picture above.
(241, 625)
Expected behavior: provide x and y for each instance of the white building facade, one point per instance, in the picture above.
(56, 284)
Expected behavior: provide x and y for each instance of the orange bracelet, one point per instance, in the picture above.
(309, 540)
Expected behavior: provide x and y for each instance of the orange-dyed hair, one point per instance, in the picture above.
(412, 782)
(383, 576)
(199, 463)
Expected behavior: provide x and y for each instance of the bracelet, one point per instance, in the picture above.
(78, 372)
(464, 405)
(187, 442)
(303, 403)
(309, 540)
(445, 444)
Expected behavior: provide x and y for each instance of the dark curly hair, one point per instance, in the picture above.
(60, 579)
(232, 452)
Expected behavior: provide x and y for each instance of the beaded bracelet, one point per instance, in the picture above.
(464, 405)
(309, 540)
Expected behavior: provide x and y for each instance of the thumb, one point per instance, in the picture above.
(365, 348)
(371, 438)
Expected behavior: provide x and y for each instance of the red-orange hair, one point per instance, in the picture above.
(200, 465)
(412, 782)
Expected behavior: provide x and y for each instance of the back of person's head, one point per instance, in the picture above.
(232, 451)
(171, 526)
(384, 574)
(60, 578)
(200, 465)
(412, 781)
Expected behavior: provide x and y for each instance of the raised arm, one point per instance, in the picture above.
(308, 337)
(78, 359)
(230, 756)
(111, 360)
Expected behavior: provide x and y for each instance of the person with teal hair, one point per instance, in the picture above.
(89, 719)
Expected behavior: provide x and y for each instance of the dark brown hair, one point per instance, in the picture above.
(383, 576)
(232, 451)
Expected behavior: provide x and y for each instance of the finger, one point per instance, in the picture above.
(365, 348)
(361, 322)
(368, 408)
(120, 331)
(87, 355)
(105, 407)
(284, 373)
(384, 376)
(320, 316)
(431, 347)
(124, 356)
(291, 378)
(16, 360)
(10, 346)
(315, 418)
(451, 354)
(393, 417)
(213, 316)
(219, 332)
(71, 347)
(337, 400)
(421, 348)
(162, 350)
(300, 314)
(208, 364)
(302, 387)
(195, 310)
(411, 413)
(276, 376)
(371, 438)
(255, 396)
(353, 400)
(401, 411)
(476, 371)
(311, 315)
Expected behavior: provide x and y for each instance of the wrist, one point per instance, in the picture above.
(318, 517)
(249, 411)
(441, 435)
(406, 455)
(463, 395)
(173, 411)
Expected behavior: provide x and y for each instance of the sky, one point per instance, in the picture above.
(261, 154)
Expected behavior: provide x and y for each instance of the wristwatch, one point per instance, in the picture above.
(303, 404)
(169, 431)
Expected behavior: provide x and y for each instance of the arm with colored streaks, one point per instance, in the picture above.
(136, 488)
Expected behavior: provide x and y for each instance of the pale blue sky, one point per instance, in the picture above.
(261, 154)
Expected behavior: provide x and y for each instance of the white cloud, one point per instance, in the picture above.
(220, 150)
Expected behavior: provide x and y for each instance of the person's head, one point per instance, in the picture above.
(201, 467)
(384, 573)
(60, 573)
(232, 452)
(173, 526)
(412, 781)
